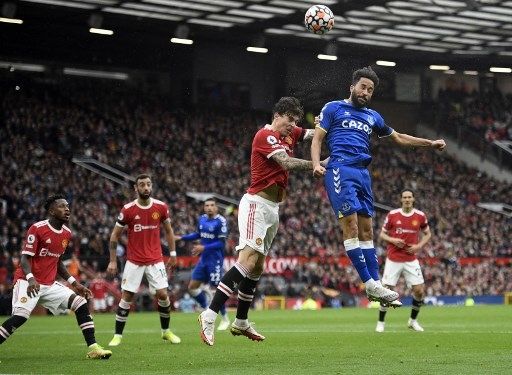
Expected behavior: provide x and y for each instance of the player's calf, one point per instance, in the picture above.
(8, 327)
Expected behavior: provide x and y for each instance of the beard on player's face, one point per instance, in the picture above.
(144, 194)
(359, 100)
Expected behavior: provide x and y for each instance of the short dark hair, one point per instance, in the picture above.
(52, 198)
(142, 176)
(288, 105)
(210, 199)
(366, 72)
(404, 190)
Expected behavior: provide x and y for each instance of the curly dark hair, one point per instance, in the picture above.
(52, 198)
(288, 105)
(366, 72)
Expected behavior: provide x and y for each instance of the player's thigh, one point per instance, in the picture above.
(21, 300)
(255, 217)
(156, 275)
(412, 273)
(132, 277)
(365, 194)
(272, 222)
(200, 272)
(56, 298)
(341, 186)
(392, 272)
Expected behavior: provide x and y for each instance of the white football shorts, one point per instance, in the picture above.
(156, 275)
(258, 221)
(411, 271)
(54, 297)
(100, 304)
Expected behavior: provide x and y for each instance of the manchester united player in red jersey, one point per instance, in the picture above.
(143, 218)
(258, 214)
(401, 230)
(34, 280)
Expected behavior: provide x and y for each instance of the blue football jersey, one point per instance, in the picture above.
(348, 131)
(214, 230)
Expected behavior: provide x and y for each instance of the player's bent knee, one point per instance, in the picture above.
(20, 311)
(77, 302)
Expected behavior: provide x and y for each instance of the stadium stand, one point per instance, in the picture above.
(45, 125)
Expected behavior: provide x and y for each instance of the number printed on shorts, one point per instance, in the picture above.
(215, 275)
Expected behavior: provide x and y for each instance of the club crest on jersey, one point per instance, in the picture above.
(259, 241)
(288, 140)
(155, 215)
(65, 244)
(414, 223)
(23, 299)
(345, 207)
(272, 140)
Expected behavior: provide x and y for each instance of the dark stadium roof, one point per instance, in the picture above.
(466, 31)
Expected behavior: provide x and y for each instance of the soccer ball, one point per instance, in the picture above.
(319, 19)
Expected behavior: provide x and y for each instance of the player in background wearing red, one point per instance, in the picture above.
(258, 215)
(401, 230)
(99, 290)
(34, 279)
(143, 218)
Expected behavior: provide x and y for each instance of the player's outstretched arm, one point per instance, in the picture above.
(408, 140)
(292, 164)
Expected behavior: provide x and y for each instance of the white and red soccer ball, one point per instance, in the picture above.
(319, 19)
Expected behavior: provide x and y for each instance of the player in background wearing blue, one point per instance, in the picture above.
(347, 126)
(212, 230)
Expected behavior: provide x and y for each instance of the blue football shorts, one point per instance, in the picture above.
(350, 190)
(209, 271)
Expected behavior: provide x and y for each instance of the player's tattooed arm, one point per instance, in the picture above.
(292, 164)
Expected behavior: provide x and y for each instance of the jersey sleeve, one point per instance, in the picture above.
(222, 231)
(326, 116)
(424, 222)
(381, 128)
(387, 223)
(266, 143)
(123, 217)
(31, 242)
(165, 213)
(298, 134)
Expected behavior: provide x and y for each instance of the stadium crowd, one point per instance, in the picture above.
(43, 126)
(488, 114)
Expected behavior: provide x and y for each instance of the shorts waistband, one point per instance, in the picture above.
(257, 198)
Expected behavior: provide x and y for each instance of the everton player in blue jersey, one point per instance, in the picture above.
(212, 231)
(347, 125)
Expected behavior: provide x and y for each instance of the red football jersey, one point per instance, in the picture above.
(143, 223)
(98, 288)
(264, 170)
(407, 227)
(45, 245)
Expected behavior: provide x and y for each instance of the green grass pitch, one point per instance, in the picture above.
(457, 340)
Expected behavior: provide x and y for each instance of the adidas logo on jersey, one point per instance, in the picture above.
(48, 240)
(137, 217)
(399, 222)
